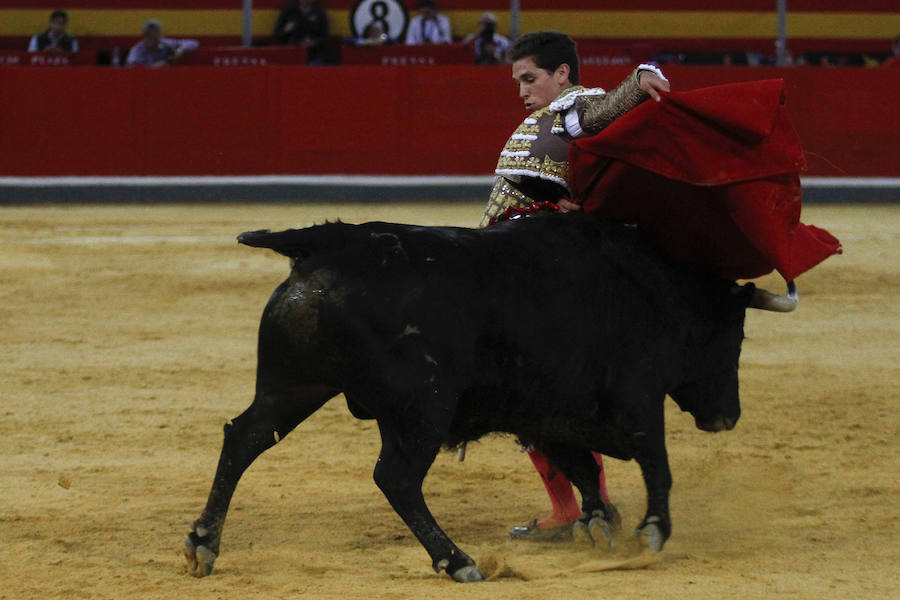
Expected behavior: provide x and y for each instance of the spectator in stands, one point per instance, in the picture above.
(894, 59)
(487, 53)
(373, 35)
(429, 26)
(304, 23)
(490, 46)
(56, 39)
(155, 50)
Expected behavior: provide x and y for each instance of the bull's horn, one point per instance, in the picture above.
(461, 452)
(766, 300)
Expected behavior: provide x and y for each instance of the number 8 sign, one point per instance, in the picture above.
(390, 14)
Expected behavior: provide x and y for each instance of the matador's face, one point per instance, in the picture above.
(539, 87)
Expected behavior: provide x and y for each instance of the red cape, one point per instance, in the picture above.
(712, 174)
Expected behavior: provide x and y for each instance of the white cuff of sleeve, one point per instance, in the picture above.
(652, 69)
(573, 125)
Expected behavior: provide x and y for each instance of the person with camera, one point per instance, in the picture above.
(56, 39)
(490, 47)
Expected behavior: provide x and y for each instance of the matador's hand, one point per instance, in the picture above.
(566, 205)
(653, 84)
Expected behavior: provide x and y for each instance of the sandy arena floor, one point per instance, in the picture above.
(128, 336)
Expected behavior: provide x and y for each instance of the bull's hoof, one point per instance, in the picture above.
(651, 535)
(199, 558)
(468, 574)
(596, 530)
(582, 534)
(613, 517)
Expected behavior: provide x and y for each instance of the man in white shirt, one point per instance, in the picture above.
(429, 26)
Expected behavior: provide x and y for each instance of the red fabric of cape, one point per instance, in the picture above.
(712, 174)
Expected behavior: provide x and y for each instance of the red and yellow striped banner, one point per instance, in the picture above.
(621, 19)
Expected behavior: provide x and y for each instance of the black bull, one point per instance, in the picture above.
(564, 330)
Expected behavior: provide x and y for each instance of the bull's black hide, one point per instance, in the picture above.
(564, 330)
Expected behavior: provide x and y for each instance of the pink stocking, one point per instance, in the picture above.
(565, 508)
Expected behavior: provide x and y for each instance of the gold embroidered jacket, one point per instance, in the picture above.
(534, 163)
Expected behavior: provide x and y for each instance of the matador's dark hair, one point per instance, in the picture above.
(549, 49)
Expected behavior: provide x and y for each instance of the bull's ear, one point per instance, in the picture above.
(389, 248)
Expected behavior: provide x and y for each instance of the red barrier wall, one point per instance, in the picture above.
(365, 120)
